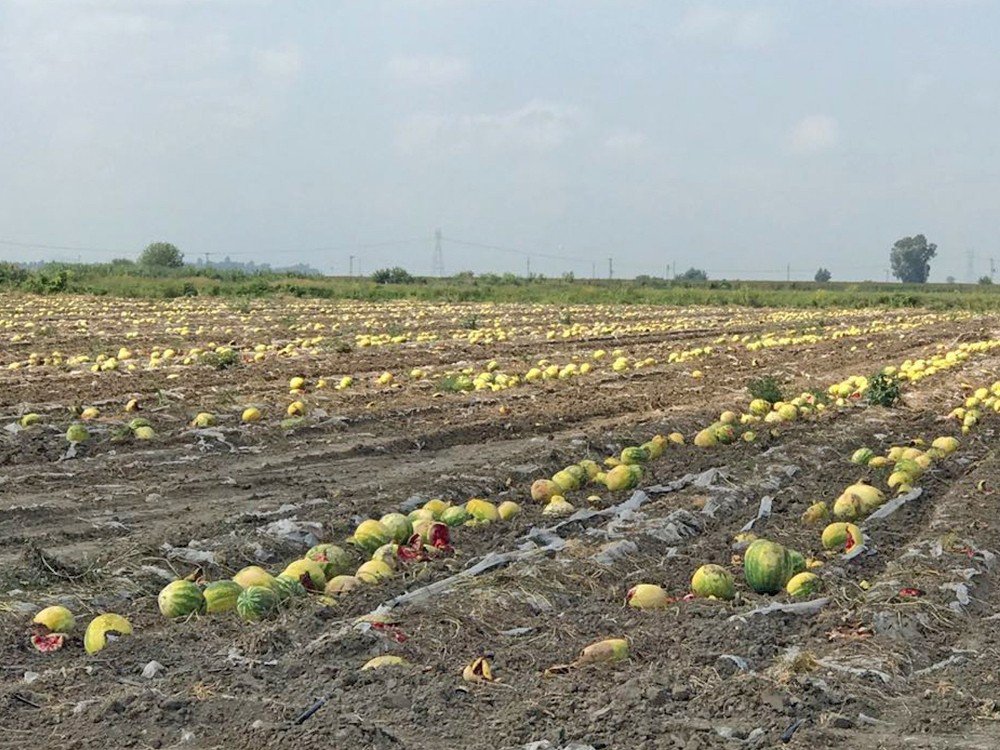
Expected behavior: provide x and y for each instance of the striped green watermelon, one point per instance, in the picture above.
(455, 516)
(634, 455)
(288, 587)
(180, 599)
(256, 602)
(334, 560)
(220, 596)
(768, 566)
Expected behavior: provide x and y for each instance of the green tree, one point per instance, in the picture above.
(161, 255)
(693, 274)
(394, 275)
(910, 258)
(823, 275)
(985, 280)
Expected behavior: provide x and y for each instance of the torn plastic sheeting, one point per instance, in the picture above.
(856, 550)
(797, 608)
(188, 555)
(307, 533)
(962, 597)
(856, 671)
(614, 551)
(741, 664)
(676, 527)
(412, 502)
(764, 511)
(895, 504)
(720, 497)
(953, 659)
(702, 480)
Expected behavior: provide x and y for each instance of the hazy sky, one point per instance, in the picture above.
(729, 136)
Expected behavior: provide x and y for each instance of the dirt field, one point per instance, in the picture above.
(104, 526)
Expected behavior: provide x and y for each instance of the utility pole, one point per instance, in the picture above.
(528, 264)
(593, 270)
(611, 268)
(993, 268)
(208, 262)
(437, 262)
(788, 272)
(351, 272)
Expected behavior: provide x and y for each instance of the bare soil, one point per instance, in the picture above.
(873, 668)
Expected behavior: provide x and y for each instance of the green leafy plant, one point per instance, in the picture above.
(456, 384)
(220, 360)
(767, 388)
(883, 390)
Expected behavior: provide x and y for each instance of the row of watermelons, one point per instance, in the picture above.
(389, 543)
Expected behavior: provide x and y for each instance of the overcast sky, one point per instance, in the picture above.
(738, 137)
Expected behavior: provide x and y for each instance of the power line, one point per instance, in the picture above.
(73, 248)
(501, 248)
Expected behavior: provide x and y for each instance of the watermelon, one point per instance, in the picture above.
(334, 560)
(848, 507)
(46, 643)
(815, 513)
(374, 571)
(768, 566)
(482, 510)
(55, 619)
(623, 477)
(288, 586)
(420, 514)
(180, 599)
(842, 535)
(399, 526)
(256, 602)
(508, 509)
(95, 638)
(543, 489)
(455, 516)
(437, 506)
(49, 628)
(803, 584)
(635, 455)
(946, 445)
(909, 467)
(370, 535)
(566, 481)
(723, 432)
(862, 456)
(796, 562)
(713, 580)
(253, 575)
(342, 584)
(857, 501)
(220, 596)
(387, 553)
(308, 572)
